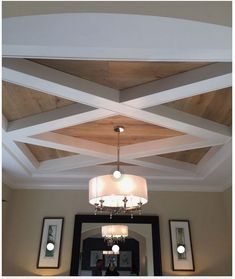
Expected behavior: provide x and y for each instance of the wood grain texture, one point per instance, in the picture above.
(215, 106)
(189, 156)
(119, 74)
(102, 131)
(44, 153)
(19, 102)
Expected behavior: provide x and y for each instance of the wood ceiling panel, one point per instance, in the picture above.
(19, 102)
(119, 74)
(102, 131)
(189, 156)
(44, 153)
(215, 106)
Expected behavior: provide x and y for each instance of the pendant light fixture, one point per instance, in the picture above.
(112, 234)
(118, 193)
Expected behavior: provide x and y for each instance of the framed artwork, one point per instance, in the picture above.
(181, 246)
(125, 259)
(50, 244)
(94, 256)
(110, 259)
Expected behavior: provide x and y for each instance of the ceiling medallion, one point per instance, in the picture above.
(118, 193)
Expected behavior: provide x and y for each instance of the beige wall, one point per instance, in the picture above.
(209, 215)
(6, 196)
(228, 227)
(217, 12)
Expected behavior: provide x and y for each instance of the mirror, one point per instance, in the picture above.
(140, 251)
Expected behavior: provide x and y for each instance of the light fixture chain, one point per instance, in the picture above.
(118, 152)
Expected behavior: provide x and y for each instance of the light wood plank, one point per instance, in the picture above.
(119, 74)
(191, 83)
(45, 153)
(189, 156)
(215, 106)
(102, 131)
(19, 102)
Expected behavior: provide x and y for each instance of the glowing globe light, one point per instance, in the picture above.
(180, 249)
(117, 174)
(50, 246)
(115, 248)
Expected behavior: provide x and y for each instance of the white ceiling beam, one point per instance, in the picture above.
(191, 83)
(18, 150)
(22, 154)
(104, 153)
(164, 146)
(30, 74)
(91, 171)
(72, 144)
(165, 164)
(57, 83)
(12, 165)
(191, 124)
(110, 36)
(57, 119)
(214, 159)
(69, 163)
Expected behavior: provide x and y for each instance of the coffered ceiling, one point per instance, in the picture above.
(59, 116)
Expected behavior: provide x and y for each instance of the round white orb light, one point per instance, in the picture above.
(180, 249)
(115, 248)
(50, 246)
(117, 174)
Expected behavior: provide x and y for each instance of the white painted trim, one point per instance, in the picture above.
(71, 144)
(82, 185)
(53, 120)
(12, 166)
(107, 36)
(19, 150)
(107, 153)
(164, 146)
(62, 85)
(69, 163)
(191, 124)
(191, 83)
(165, 164)
(206, 167)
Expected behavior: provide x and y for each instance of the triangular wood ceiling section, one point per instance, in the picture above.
(44, 153)
(120, 74)
(189, 156)
(215, 106)
(19, 102)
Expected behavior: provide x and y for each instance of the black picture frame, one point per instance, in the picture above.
(50, 262)
(186, 264)
(152, 220)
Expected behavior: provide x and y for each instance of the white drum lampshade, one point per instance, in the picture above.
(112, 192)
(114, 231)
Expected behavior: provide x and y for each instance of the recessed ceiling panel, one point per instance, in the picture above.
(102, 131)
(119, 74)
(215, 106)
(19, 102)
(189, 156)
(44, 153)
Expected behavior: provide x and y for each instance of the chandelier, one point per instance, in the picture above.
(114, 233)
(118, 193)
